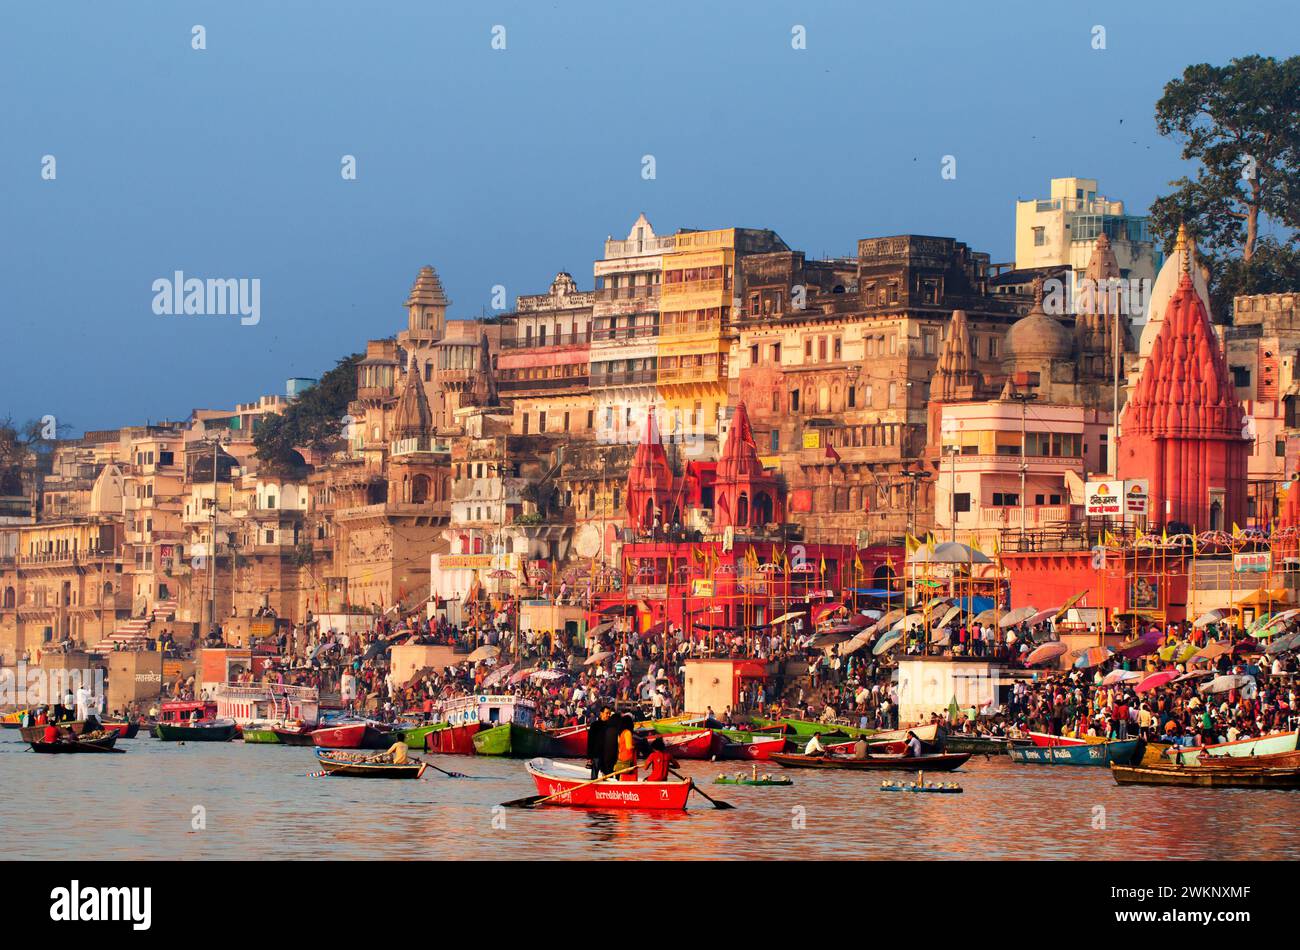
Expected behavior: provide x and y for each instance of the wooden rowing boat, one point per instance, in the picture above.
(124, 730)
(298, 737)
(1259, 745)
(569, 742)
(66, 745)
(741, 780)
(934, 788)
(211, 730)
(1272, 760)
(757, 748)
(358, 765)
(37, 733)
(512, 739)
(806, 729)
(941, 762)
(1121, 751)
(1201, 777)
(570, 785)
(352, 735)
(979, 745)
(689, 745)
(255, 735)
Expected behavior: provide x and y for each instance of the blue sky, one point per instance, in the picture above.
(503, 167)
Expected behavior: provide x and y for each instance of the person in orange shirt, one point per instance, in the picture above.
(626, 749)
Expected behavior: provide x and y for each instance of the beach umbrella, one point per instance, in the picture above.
(786, 618)
(857, 643)
(548, 675)
(1180, 651)
(1121, 676)
(940, 635)
(523, 674)
(936, 602)
(890, 617)
(1221, 684)
(829, 639)
(1092, 656)
(1141, 645)
(1213, 650)
(864, 619)
(485, 652)
(1042, 615)
(985, 616)
(953, 552)
(597, 658)
(1284, 643)
(887, 642)
(1195, 674)
(1156, 680)
(950, 615)
(1209, 617)
(1019, 615)
(907, 621)
(1048, 651)
(497, 675)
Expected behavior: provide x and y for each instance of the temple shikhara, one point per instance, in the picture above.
(710, 431)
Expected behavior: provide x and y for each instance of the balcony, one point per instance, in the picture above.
(551, 339)
(689, 374)
(640, 377)
(687, 287)
(563, 383)
(615, 334)
(690, 328)
(1036, 516)
(646, 292)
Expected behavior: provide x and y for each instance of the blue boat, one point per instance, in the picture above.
(1119, 751)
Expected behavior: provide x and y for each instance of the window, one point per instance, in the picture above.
(961, 502)
(794, 400)
(591, 418)
(753, 355)
(1053, 499)
(1039, 499)
(1279, 447)
(1241, 376)
(853, 397)
(525, 423)
(993, 347)
(776, 353)
(837, 349)
(893, 393)
(1005, 499)
(775, 440)
(566, 422)
(807, 350)
(928, 339)
(1040, 237)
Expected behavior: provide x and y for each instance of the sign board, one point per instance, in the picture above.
(1137, 496)
(701, 587)
(463, 562)
(1252, 562)
(1144, 594)
(812, 439)
(1103, 499)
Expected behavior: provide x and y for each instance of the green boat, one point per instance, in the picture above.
(252, 734)
(512, 739)
(213, 730)
(413, 736)
(804, 729)
(723, 780)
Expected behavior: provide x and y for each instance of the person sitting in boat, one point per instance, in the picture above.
(396, 754)
(913, 748)
(626, 749)
(658, 762)
(814, 747)
(860, 749)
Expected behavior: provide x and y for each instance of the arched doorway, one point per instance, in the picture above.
(1216, 515)
(742, 509)
(420, 489)
(762, 508)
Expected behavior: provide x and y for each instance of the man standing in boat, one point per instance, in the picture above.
(602, 743)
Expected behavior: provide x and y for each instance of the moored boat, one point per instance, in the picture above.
(941, 762)
(289, 736)
(805, 728)
(512, 739)
(416, 735)
(689, 745)
(1121, 751)
(465, 716)
(263, 735)
(1259, 745)
(979, 745)
(1271, 760)
(758, 748)
(352, 735)
(1201, 777)
(211, 730)
(124, 730)
(37, 733)
(569, 742)
(572, 786)
(358, 765)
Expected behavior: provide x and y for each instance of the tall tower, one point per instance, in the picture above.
(426, 309)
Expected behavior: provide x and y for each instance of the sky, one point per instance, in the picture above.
(504, 166)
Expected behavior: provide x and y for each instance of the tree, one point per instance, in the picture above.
(1241, 124)
(313, 420)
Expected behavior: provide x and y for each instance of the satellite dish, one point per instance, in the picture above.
(587, 541)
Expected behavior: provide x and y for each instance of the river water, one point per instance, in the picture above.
(228, 800)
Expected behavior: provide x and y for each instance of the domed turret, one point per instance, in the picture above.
(1036, 338)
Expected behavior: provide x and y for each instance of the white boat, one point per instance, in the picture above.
(263, 705)
(1259, 745)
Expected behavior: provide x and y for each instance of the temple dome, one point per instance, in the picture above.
(1036, 336)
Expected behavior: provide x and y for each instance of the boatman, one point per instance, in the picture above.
(602, 743)
(395, 754)
(860, 748)
(913, 748)
(814, 746)
(658, 762)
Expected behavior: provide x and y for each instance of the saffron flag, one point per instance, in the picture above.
(911, 544)
(832, 454)
(1236, 531)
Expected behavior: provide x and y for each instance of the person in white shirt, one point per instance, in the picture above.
(814, 746)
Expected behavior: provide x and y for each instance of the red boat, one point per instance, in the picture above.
(572, 786)
(124, 730)
(757, 748)
(1048, 741)
(569, 742)
(689, 745)
(456, 740)
(351, 735)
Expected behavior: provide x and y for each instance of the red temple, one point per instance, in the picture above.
(1184, 428)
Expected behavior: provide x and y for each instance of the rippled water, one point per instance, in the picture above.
(260, 803)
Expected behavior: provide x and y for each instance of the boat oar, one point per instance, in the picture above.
(534, 800)
(443, 771)
(695, 788)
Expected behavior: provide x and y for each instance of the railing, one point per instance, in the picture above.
(609, 335)
(550, 339)
(635, 378)
(717, 285)
(669, 328)
(642, 292)
(1035, 515)
(561, 382)
(689, 374)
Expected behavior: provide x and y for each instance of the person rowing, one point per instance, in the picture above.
(814, 747)
(860, 748)
(396, 754)
(913, 748)
(658, 762)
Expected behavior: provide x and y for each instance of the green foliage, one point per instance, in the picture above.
(314, 419)
(1240, 124)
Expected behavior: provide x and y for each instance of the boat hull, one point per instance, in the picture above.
(454, 740)
(979, 745)
(124, 730)
(756, 749)
(1200, 777)
(689, 745)
(922, 763)
(263, 736)
(356, 735)
(416, 736)
(104, 743)
(1260, 745)
(294, 737)
(175, 732)
(353, 765)
(806, 729)
(1119, 751)
(34, 733)
(569, 743)
(570, 786)
(511, 739)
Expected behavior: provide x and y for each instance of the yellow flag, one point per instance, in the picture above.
(974, 545)
(821, 568)
(997, 545)
(911, 544)
(1108, 540)
(1164, 536)
(1236, 531)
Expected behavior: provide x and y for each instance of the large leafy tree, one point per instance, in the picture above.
(1240, 124)
(314, 419)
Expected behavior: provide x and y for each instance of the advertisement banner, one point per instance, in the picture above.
(1137, 496)
(1102, 499)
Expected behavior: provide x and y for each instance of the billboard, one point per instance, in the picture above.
(1103, 499)
(1137, 497)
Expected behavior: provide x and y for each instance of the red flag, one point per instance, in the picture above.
(832, 454)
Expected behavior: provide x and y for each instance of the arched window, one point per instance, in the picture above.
(762, 508)
(742, 509)
(420, 489)
(11, 597)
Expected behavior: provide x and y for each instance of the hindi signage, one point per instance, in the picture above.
(1103, 499)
